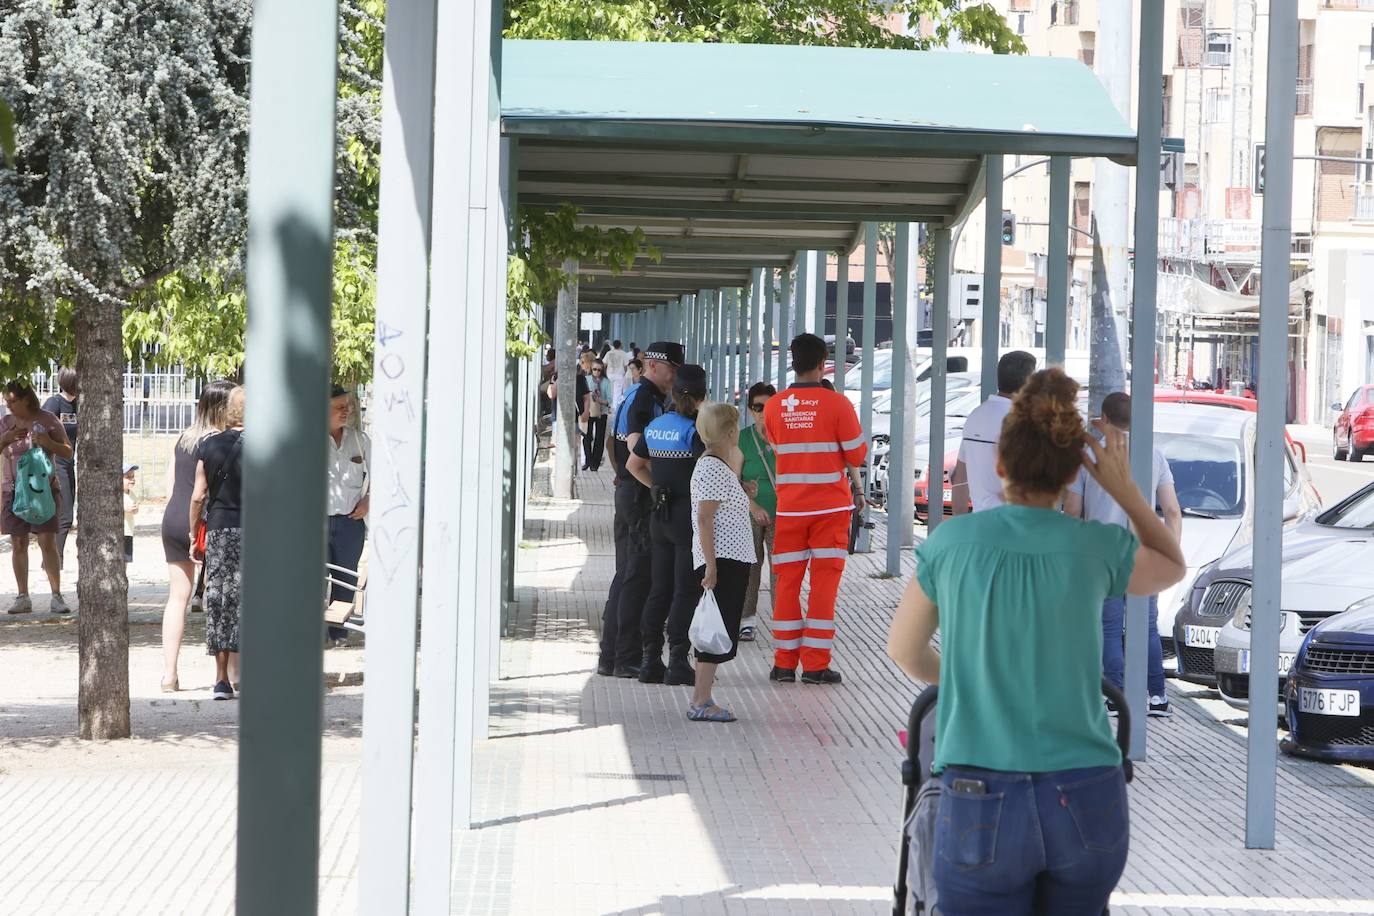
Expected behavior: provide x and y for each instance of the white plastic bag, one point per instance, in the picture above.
(708, 633)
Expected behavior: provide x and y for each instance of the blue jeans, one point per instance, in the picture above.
(1032, 843)
(1114, 648)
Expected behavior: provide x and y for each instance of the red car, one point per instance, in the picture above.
(1222, 399)
(923, 486)
(1354, 432)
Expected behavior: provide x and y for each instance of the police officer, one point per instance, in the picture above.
(644, 401)
(664, 460)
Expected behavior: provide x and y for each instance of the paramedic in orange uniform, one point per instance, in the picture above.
(819, 447)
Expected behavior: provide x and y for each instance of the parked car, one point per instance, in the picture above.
(1220, 591)
(1329, 697)
(1353, 433)
(1328, 563)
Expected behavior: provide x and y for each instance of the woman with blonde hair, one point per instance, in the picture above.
(722, 543)
(219, 494)
(1033, 814)
(176, 540)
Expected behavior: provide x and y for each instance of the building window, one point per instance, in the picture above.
(1087, 47)
(1361, 61)
(1305, 84)
(1218, 49)
(1190, 24)
(1064, 12)
(1216, 107)
(1020, 23)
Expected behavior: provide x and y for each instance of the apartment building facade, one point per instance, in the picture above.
(1212, 197)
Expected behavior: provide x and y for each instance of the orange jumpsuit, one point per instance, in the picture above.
(816, 436)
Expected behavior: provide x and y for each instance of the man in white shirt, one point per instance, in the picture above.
(350, 462)
(975, 477)
(1087, 500)
(616, 360)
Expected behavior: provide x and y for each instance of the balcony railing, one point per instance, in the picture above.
(1304, 95)
(1364, 204)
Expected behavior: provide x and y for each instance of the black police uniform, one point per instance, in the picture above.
(672, 446)
(620, 640)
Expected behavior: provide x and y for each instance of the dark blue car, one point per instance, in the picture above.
(1330, 692)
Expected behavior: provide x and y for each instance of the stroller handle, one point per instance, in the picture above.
(928, 697)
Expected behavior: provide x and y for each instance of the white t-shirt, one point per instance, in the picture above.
(1099, 507)
(349, 464)
(978, 451)
(713, 480)
(616, 361)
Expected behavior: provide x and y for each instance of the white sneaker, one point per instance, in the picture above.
(22, 605)
(58, 606)
(1159, 708)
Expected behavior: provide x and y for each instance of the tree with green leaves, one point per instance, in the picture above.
(129, 169)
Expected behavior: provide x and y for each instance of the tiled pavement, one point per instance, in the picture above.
(596, 795)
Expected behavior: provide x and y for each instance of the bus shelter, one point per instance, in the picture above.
(740, 163)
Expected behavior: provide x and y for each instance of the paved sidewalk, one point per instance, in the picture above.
(596, 795)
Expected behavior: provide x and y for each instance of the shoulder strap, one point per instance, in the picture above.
(223, 471)
(767, 468)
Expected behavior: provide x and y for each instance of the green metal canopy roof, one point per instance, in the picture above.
(735, 156)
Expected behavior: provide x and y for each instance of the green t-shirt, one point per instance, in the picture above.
(1020, 594)
(759, 466)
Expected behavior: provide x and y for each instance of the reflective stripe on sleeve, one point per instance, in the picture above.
(787, 643)
(852, 443)
(830, 477)
(829, 553)
(794, 556)
(814, 642)
(801, 448)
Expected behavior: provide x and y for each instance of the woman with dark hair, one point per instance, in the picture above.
(176, 540)
(219, 493)
(63, 406)
(1033, 815)
(760, 482)
(28, 426)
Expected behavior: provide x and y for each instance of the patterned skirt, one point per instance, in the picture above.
(223, 580)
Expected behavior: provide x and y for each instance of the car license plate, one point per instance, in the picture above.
(1201, 637)
(948, 494)
(1285, 662)
(1323, 702)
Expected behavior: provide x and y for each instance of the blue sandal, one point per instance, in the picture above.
(710, 712)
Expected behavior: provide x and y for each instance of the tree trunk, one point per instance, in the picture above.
(102, 584)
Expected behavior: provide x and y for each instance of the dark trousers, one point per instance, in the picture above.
(620, 643)
(594, 442)
(66, 506)
(1024, 843)
(676, 584)
(1114, 647)
(732, 585)
(346, 536)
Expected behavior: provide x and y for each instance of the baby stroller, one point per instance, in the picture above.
(921, 799)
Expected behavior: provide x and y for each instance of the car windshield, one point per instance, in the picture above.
(882, 372)
(1209, 476)
(1357, 513)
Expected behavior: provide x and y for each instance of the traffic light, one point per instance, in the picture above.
(1259, 169)
(1008, 228)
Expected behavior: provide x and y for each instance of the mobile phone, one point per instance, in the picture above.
(969, 787)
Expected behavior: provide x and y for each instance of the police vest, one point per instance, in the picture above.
(671, 436)
(621, 427)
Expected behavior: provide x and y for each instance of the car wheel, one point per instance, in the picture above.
(1356, 455)
(1337, 453)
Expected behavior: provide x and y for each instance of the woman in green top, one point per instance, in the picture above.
(1033, 817)
(758, 474)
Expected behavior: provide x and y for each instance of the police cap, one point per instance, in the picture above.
(665, 351)
(691, 379)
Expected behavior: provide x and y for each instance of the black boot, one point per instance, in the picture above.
(651, 670)
(783, 675)
(627, 671)
(605, 667)
(824, 676)
(680, 673)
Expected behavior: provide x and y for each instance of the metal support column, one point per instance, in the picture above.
(939, 319)
(992, 272)
(841, 317)
(785, 326)
(290, 256)
(803, 290)
(1275, 248)
(870, 328)
(820, 281)
(900, 479)
(1150, 115)
(766, 333)
(1057, 262)
(397, 429)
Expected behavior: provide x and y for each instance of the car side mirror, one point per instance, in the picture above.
(1337, 406)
